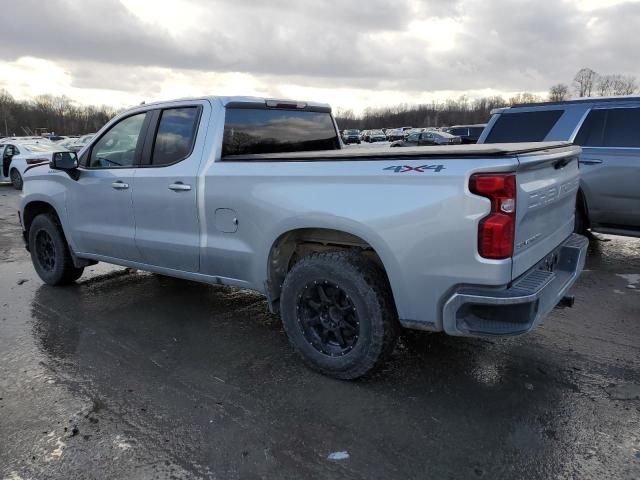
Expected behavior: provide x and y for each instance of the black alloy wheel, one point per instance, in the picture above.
(328, 318)
(45, 251)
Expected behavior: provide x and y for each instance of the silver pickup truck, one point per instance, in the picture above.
(347, 244)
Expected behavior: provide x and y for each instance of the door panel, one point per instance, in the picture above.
(100, 202)
(165, 195)
(610, 165)
(100, 207)
(610, 178)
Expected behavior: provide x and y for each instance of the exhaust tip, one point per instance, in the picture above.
(567, 301)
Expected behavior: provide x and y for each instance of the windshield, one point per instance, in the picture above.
(353, 132)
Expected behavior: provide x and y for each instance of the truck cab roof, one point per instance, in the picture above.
(245, 102)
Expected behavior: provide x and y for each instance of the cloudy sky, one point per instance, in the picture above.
(350, 53)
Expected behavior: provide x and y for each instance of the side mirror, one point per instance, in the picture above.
(65, 161)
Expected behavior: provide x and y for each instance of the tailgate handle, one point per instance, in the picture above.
(562, 163)
(590, 161)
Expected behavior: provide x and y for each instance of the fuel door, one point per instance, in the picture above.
(226, 220)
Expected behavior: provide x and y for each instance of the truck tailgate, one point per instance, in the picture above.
(547, 185)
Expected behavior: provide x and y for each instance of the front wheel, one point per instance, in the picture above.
(50, 253)
(339, 314)
(16, 179)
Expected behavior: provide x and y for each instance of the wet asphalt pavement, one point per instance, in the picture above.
(129, 375)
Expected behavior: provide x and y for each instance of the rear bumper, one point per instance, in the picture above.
(479, 311)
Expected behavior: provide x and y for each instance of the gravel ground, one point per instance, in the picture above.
(131, 375)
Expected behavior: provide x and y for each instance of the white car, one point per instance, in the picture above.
(18, 155)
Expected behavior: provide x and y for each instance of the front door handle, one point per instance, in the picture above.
(120, 185)
(590, 161)
(179, 187)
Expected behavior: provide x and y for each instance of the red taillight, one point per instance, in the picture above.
(496, 231)
(36, 161)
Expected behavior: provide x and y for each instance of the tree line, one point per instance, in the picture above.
(53, 114)
(60, 115)
(463, 111)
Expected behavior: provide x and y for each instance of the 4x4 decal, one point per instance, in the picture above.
(420, 169)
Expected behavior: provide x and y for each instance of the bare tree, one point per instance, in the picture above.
(584, 82)
(559, 92)
(48, 112)
(6, 105)
(525, 97)
(624, 85)
(435, 114)
(604, 85)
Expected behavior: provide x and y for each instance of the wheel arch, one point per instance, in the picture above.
(297, 243)
(34, 208)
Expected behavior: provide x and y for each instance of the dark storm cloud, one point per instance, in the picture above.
(505, 45)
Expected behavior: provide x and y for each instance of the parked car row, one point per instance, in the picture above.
(19, 153)
(465, 133)
(429, 137)
(75, 144)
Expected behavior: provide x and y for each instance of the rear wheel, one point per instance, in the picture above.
(580, 225)
(16, 179)
(339, 314)
(50, 253)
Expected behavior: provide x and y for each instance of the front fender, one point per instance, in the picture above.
(48, 188)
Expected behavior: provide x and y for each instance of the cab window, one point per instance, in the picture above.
(117, 148)
(251, 131)
(176, 134)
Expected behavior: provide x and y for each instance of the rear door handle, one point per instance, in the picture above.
(179, 187)
(120, 185)
(590, 161)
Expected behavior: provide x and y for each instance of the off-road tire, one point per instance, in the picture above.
(580, 225)
(16, 179)
(62, 270)
(367, 286)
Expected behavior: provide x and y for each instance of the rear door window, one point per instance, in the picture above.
(523, 126)
(176, 134)
(615, 127)
(253, 130)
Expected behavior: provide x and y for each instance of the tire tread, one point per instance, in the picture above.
(384, 339)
